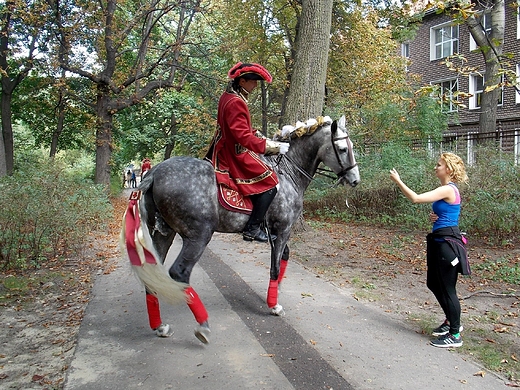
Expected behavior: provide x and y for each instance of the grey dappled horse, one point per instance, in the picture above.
(179, 196)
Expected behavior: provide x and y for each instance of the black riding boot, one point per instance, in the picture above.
(261, 203)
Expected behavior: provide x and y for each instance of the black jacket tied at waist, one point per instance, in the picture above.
(454, 238)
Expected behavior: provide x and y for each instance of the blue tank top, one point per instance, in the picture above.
(448, 213)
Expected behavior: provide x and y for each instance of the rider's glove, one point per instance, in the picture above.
(284, 147)
(273, 147)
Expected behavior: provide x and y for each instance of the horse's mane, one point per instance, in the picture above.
(289, 132)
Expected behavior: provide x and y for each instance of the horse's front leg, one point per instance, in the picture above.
(277, 273)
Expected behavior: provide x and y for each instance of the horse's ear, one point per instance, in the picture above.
(342, 122)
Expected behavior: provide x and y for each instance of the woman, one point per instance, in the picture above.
(446, 252)
(236, 145)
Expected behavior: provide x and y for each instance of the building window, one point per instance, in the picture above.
(518, 84)
(485, 22)
(518, 21)
(444, 41)
(476, 89)
(448, 94)
(405, 50)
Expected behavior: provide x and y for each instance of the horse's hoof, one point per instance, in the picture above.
(163, 330)
(202, 332)
(277, 310)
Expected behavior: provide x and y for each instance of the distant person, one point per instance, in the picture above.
(133, 180)
(129, 178)
(146, 165)
(446, 255)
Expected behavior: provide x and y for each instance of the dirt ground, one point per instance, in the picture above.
(384, 267)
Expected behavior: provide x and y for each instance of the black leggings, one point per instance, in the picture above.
(441, 279)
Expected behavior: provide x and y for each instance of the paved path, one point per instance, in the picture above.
(327, 340)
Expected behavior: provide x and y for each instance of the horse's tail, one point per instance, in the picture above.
(136, 241)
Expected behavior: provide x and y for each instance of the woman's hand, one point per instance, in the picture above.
(394, 175)
(433, 217)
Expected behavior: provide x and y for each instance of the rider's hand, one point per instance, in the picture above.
(284, 147)
(433, 217)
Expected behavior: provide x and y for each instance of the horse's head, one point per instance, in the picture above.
(338, 155)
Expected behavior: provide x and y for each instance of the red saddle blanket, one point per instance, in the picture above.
(233, 200)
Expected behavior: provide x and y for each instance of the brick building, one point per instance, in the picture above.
(439, 37)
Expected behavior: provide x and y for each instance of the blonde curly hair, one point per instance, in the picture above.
(456, 167)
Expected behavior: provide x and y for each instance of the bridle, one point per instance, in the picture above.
(325, 172)
(344, 171)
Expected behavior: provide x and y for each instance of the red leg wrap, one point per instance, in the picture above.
(283, 266)
(154, 313)
(272, 294)
(196, 306)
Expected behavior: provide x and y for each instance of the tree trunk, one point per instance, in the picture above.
(171, 135)
(6, 143)
(103, 137)
(307, 87)
(59, 128)
(491, 47)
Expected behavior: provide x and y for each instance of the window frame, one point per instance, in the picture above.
(453, 42)
(453, 107)
(517, 92)
(473, 100)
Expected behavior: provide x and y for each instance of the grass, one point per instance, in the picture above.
(493, 350)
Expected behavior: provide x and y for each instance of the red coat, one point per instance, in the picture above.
(235, 148)
(146, 166)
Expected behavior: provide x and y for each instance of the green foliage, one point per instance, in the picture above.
(48, 210)
(502, 269)
(490, 202)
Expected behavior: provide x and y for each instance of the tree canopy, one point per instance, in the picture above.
(129, 79)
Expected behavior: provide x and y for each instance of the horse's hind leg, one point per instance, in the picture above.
(162, 242)
(181, 271)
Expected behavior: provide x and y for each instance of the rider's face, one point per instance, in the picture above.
(248, 85)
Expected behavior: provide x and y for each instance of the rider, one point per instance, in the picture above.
(235, 147)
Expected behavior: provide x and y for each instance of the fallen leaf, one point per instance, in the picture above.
(37, 378)
(480, 373)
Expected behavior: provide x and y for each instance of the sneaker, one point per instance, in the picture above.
(447, 341)
(443, 329)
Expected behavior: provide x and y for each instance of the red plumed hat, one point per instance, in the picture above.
(249, 71)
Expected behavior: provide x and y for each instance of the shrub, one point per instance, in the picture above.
(48, 211)
(491, 200)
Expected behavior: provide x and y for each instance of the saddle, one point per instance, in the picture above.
(232, 200)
